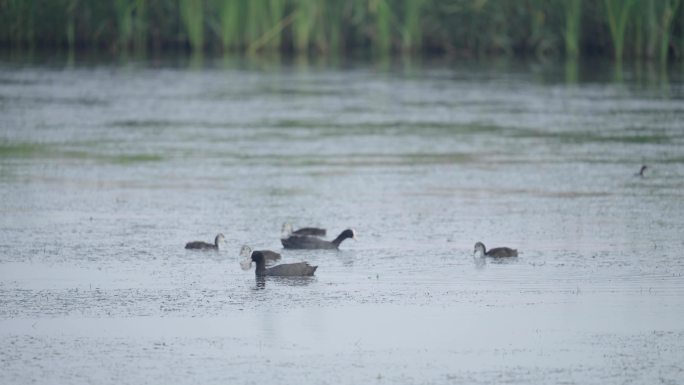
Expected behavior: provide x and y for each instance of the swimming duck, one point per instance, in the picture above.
(270, 257)
(287, 231)
(310, 242)
(499, 252)
(199, 245)
(299, 269)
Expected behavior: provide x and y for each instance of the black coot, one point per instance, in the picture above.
(313, 231)
(199, 245)
(498, 252)
(311, 242)
(299, 269)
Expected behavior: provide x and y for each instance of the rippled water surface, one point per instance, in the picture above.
(106, 170)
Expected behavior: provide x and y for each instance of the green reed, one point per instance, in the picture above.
(667, 9)
(230, 22)
(192, 17)
(305, 21)
(275, 16)
(333, 27)
(21, 22)
(618, 13)
(382, 39)
(257, 12)
(573, 11)
(124, 21)
(411, 33)
(140, 26)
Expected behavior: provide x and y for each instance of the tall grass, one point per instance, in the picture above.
(651, 29)
(192, 17)
(411, 33)
(230, 22)
(305, 21)
(382, 38)
(334, 26)
(124, 18)
(140, 26)
(667, 11)
(573, 12)
(131, 22)
(618, 12)
(19, 22)
(71, 23)
(275, 14)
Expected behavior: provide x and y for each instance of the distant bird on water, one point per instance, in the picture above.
(270, 257)
(288, 231)
(641, 172)
(299, 269)
(199, 245)
(311, 242)
(499, 252)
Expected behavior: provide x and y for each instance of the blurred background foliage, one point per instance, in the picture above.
(648, 29)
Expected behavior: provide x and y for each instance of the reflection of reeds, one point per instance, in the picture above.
(643, 28)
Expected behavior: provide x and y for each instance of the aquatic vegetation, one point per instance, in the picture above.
(667, 11)
(651, 29)
(618, 12)
(192, 16)
(572, 10)
(382, 38)
(411, 28)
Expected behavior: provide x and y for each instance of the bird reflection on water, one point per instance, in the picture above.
(285, 281)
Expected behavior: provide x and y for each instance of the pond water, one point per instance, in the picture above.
(108, 169)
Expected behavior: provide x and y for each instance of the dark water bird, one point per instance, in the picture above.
(498, 252)
(270, 257)
(314, 231)
(310, 242)
(299, 269)
(641, 172)
(199, 245)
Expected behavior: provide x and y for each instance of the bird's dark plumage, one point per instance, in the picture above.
(498, 252)
(199, 245)
(311, 231)
(311, 242)
(300, 269)
(641, 172)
